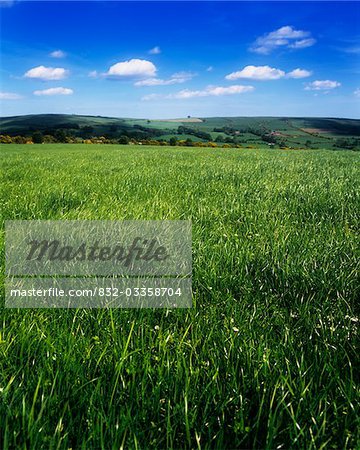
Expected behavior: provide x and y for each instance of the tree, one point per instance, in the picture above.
(86, 132)
(88, 129)
(60, 135)
(37, 137)
(123, 140)
(173, 141)
(114, 128)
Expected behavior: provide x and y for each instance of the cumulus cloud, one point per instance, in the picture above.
(176, 78)
(263, 73)
(286, 37)
(9, 96)
(357, 92)
(58, 54)
(322, 85)
(299, 73)
(209, 91)
(257, 73)
(47, 73)
(55, 91)
(155, 51)
(132, 68)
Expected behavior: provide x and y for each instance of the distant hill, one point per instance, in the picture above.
(292, 132)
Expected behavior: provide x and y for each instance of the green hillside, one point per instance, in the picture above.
(287, 132)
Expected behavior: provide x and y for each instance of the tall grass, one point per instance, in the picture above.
(266, 358)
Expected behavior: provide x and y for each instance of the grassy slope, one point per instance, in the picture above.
(265, 358)
(334, 127)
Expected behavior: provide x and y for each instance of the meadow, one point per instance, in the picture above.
(268, 355)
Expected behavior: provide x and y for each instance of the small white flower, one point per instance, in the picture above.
(352, 319)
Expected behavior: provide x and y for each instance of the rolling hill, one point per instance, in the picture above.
(292, 132)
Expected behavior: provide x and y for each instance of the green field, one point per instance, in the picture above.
(266, 358)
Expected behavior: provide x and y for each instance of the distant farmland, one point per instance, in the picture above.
(241, 131)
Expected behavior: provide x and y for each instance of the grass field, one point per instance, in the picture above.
(266, 358)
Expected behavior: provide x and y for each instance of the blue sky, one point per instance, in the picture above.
(173, 59)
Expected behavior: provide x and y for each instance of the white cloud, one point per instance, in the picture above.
(299, 73)
(6, 3)
(322, 85)
(257, 73)
(287, 37)
(132, 68)
(266, 73)
(93, 74)
(9, 96)
(354, 49)
(357, 92)
(213, 91)
(176, 78)
(155, 51)
(58, 54)
(152, 97)
(287, 32)
(183, 75)
(210, 69)
(47, 73)
(154, 82)
(55, 91)
(209, 91)
(303, 43)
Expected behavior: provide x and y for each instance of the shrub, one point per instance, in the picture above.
(19, 140)
(5, 139)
